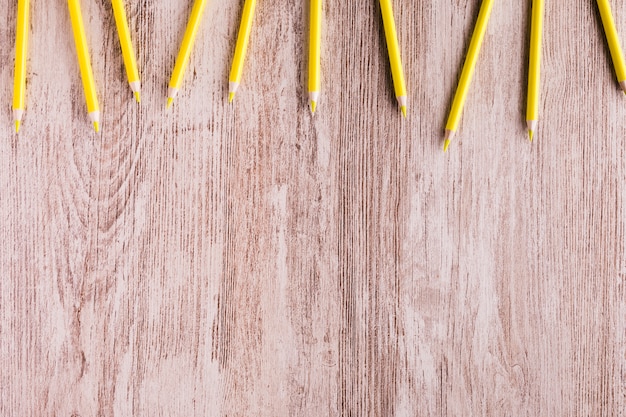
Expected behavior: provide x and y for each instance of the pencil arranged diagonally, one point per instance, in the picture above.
(467, 72)
(240, 48)
(394, 54)
(534, 68)
(84, 62)
(21, 52)
(613, 40)
(315, 40)
(185, 50)
(128, 53)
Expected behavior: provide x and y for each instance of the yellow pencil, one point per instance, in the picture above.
(130, 62)
(534, 67)
(240, 48)
(21, 50)
(84, 63)
(185, 50)
(467, 72)
(613, 40)
(394, 54)
(315, 40)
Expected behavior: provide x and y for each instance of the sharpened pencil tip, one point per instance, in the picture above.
(446, 143)
(403, 108)
(170, 100)
(313, 105)
(17, 126)
(231, 96)
(530, 135)
(138, 96)
(96, 127)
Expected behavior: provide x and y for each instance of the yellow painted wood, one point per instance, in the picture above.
(21, 54)
(186, 46)
(128, 52)
(315, 41)
(394, 52)
(467, 72)
(241, 47)
(612, 39)
(534, 65)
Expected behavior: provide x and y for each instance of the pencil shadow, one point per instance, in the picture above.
(383, 51)
(302, 52)
(175, 46)
(608, 61)
(77, 99)
(9, 58)
(233, 35)
(113, 55)
(524, 62)
(468, 38)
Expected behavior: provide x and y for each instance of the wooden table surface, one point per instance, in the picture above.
(253, 260)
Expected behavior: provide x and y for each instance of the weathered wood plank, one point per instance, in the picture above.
(251, 259)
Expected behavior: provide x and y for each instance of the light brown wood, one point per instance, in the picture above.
(252, 260)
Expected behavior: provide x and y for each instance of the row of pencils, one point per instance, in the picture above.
(130, 60)
(315, 31)
(534, 63)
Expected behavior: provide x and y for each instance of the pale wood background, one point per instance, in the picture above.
(256, 261)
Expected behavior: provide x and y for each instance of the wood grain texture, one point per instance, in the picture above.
(252, 260)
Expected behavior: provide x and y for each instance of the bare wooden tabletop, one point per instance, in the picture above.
(253, 260)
